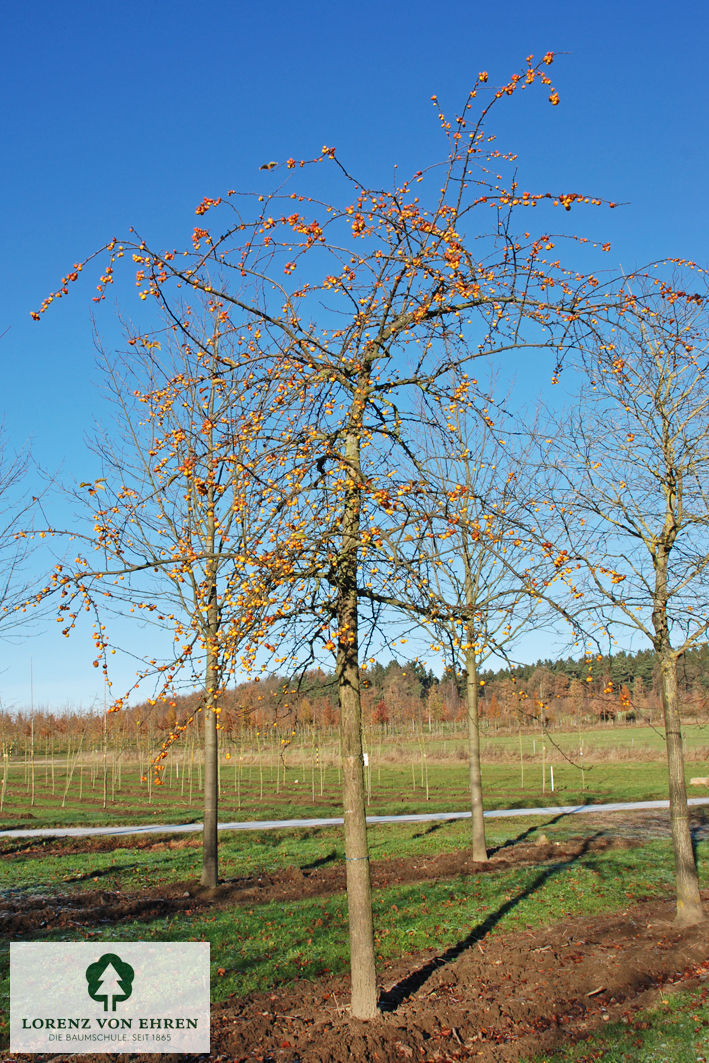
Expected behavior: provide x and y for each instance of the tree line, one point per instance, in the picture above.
(400, 694)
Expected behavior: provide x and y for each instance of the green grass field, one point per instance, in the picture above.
(407, 917)
(619, 764)
(276, 943)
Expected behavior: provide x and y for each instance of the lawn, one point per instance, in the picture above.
(677, 1030)
(311, 933)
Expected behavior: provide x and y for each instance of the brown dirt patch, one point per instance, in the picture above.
(21, 914)
(499, 1000)
(28, 848)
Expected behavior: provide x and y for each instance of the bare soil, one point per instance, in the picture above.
(493, 999)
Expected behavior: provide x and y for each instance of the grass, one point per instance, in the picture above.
(248, 944)
(240, 854)
(395, 788)
(272, 944)
(677, 1030)
(620, 741)
(168, 860)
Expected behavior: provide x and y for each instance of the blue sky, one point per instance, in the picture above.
(128, 114)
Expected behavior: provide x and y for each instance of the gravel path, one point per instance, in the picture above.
(296, 824)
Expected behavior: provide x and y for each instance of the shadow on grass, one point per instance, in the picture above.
(114, 869)
(391, 999)
(329, 858)
(699, 831)
(434, 827)
(697, 835)
(320, 862)
(525, 834)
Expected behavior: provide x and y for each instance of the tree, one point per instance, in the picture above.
(359, 308)
(471, 582)
(176, 531)
(631, 497)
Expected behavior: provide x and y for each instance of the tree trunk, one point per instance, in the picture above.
(210, 870)
(689, 904)
(476, 784)
(359, 890)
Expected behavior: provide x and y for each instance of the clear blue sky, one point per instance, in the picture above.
(129, 113)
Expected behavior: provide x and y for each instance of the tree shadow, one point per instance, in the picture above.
(320, 862)
(511, 841)
(699, 832)
(102, 872)
(434, 827)
(392, 999)
(494, 850)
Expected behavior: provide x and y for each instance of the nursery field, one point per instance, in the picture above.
(405, 773)
(559, 935)
(561, 947)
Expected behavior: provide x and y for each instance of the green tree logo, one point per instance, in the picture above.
(110, 980)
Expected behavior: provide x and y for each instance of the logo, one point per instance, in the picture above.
(113, 997)
(110, 980)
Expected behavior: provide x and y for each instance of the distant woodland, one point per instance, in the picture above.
(620, 689)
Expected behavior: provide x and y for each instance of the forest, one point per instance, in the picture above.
(556, 695)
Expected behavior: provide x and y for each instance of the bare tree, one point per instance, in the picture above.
(480, 569)
(463, 566)
(630, 526)
(176, 533)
